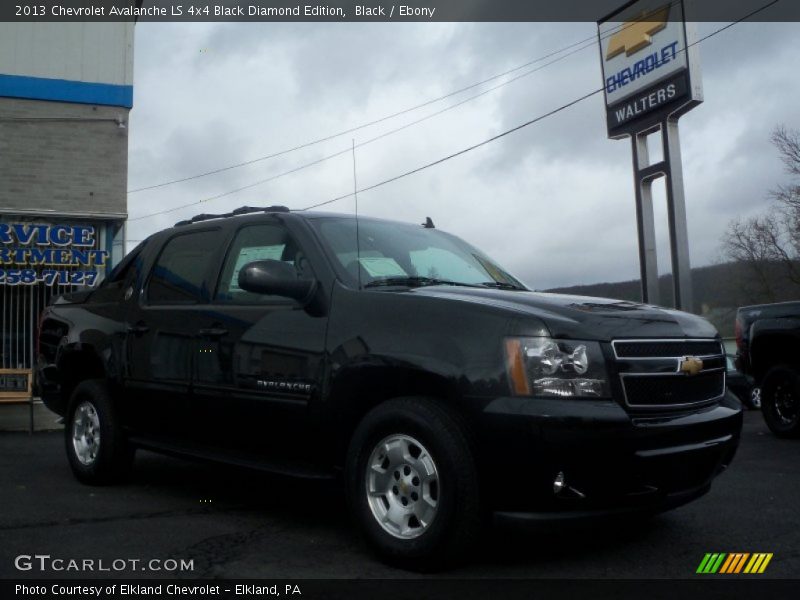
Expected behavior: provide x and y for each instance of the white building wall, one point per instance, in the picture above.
(86, 52)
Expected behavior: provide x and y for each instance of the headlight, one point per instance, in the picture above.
(542, 366)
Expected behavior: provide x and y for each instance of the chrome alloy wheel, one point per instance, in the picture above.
(402, 486)
(787, 403)
(755, 397)
(86, 433)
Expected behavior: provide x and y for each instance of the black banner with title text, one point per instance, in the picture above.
(702, 587)
(351, 10)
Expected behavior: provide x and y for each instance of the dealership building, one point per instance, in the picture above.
(65, 93)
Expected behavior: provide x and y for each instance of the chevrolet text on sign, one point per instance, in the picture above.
(648, 64)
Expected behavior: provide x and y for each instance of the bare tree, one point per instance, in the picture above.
(787, 141)
(768, 245)
(787, 197)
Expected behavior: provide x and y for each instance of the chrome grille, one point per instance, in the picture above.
(651, 376)
(666, 348)
(669, 390)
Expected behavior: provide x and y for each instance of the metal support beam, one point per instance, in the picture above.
(676, 214)
(644, 174)
(645, 221)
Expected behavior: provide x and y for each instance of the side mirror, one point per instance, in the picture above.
(275, 278)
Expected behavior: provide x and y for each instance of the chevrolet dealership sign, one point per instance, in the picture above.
(649, 65)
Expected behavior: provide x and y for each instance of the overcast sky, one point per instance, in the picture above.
(554, 202)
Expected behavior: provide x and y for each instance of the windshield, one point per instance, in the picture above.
(408, 255)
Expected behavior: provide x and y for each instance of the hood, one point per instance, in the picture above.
(582, 317)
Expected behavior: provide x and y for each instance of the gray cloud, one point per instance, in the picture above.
(553, 202)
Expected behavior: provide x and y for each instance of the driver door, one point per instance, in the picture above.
(260, 357)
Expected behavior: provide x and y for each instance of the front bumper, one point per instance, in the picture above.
(612, 462)
(577, 516)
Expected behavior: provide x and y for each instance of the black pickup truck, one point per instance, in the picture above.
(397, 357)
(768, 349)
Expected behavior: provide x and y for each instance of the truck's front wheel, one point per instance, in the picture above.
(412, 484)
(780, 401)
(97, 450)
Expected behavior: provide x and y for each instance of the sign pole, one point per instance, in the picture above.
(676, 214)
(645, 221)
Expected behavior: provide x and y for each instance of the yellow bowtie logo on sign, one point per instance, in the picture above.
(637, 34)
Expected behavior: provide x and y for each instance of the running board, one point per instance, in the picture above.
(289, 468)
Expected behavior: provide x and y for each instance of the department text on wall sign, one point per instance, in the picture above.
(32, 253)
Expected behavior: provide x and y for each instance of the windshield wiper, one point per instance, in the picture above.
(501, 285)
(414, 282)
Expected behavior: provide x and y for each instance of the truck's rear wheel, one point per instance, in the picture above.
(412, 484)
(97, 450)
(780, 401)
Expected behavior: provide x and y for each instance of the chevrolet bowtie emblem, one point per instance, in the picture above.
(637, 34)
(691, 365)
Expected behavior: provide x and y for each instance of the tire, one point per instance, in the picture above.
(97, 450)
(424, 513)
(780, 401)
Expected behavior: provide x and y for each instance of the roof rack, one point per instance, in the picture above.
(243, 210)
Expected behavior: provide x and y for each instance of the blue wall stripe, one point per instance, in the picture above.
(62, 90)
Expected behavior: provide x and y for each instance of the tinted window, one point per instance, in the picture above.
(126, 270)
(259, 242)
(121, 278)
(179, 275)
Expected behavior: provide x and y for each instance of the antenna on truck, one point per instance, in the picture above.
(355, 194)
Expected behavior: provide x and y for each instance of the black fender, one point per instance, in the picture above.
(774, 341)
(357, 387)
(89, 351)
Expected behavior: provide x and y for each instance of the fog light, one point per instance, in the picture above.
(559, 483)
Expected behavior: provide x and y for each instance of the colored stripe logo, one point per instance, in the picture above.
(734, 563)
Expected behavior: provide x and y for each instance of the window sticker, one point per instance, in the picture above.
(382, 266)
(248, 255)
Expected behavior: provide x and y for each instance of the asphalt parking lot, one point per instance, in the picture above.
(237, 524)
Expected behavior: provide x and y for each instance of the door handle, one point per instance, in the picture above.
(213, 332)
(138, 329)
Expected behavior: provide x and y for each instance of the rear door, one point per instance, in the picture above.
(161, 329)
